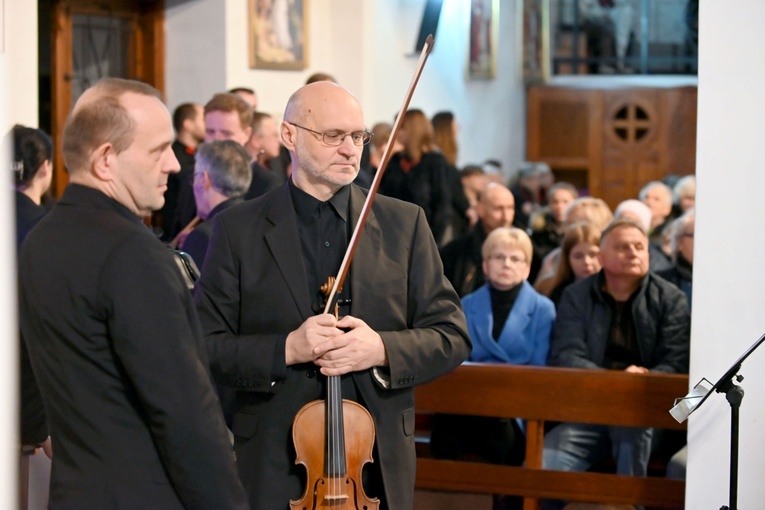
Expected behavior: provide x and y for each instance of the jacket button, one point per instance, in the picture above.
(311, 373)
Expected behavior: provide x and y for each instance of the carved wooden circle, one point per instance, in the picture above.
(631, 123)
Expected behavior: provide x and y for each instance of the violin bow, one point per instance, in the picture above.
(346, 264)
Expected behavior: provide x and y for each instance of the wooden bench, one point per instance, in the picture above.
(540, 394)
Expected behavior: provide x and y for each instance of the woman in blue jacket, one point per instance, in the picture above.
(508, 322)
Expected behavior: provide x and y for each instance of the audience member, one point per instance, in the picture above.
(32, 174)
(639, 212)
(445, 136)
(526, 193)
(320, 77)
(462, 258)
(419, 173)
(380, 134)
(221, 177)
(546, 224)
(587, 209)
(474, 180)
(263, 146)
(508, 322)
(111, 329)
(189, 125)
(684, 194)
(579, 259)
(658, 197)
(227, 117)
(494, 172)
(260, 283)
(623, 318)
(681, 243)
(248, 94)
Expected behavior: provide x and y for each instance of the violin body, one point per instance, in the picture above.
(330, 485)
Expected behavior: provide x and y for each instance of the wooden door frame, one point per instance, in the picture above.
(147, 59)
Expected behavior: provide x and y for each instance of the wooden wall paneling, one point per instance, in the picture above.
(632, 132)
(615, 138)
(61, 90)
(680, 105)
(560, 132)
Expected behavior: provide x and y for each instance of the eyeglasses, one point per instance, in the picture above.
(336, 137)
(514, 259)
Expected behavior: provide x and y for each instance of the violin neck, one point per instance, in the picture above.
(335, 458)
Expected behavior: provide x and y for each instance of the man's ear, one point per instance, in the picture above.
(206, 181)
(288, 136)
(103, 162)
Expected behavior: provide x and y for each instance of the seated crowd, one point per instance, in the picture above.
(546, 276)
(620, 285)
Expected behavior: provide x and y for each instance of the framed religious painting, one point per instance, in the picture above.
(536, 52)
(278, 34)
(484, 32)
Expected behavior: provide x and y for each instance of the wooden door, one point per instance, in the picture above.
(94, 39)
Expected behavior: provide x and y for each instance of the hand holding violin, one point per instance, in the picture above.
(357, 348)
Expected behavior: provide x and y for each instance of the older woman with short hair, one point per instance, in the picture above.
(508, 321)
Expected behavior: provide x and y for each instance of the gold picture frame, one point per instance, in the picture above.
(278, 34)
(484, 32)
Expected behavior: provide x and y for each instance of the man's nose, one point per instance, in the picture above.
(347, 147)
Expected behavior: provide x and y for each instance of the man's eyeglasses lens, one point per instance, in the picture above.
(336, 137)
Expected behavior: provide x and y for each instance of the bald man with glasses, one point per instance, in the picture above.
(401, 323)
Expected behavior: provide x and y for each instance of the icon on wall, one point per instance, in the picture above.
(278, 34)
(484, 28)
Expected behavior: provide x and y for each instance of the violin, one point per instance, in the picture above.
(334, 455)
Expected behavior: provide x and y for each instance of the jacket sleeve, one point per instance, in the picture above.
(435, 339)
(569, 339)
(243, 361)
(673, 333)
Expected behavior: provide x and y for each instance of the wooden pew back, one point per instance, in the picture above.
(540, 394)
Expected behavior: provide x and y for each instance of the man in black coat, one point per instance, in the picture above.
(623, 318)
(111, 328)
(221, 177)
(259, 302)
(462, 258)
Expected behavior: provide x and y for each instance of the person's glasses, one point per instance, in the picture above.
(336, 137)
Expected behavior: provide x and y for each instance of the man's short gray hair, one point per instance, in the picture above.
(227, 164)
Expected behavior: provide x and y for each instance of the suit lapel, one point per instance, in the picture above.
(282, 239)
(365, 260)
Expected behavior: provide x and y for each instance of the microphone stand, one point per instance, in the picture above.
(734, 394)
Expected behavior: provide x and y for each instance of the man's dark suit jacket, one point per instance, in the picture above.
(118, 352)
(196, 242)
(253, 292)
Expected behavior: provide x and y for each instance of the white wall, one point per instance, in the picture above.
(18, 104)
(729, 286)
(20, 45)
(195, 50)
(367, 47)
